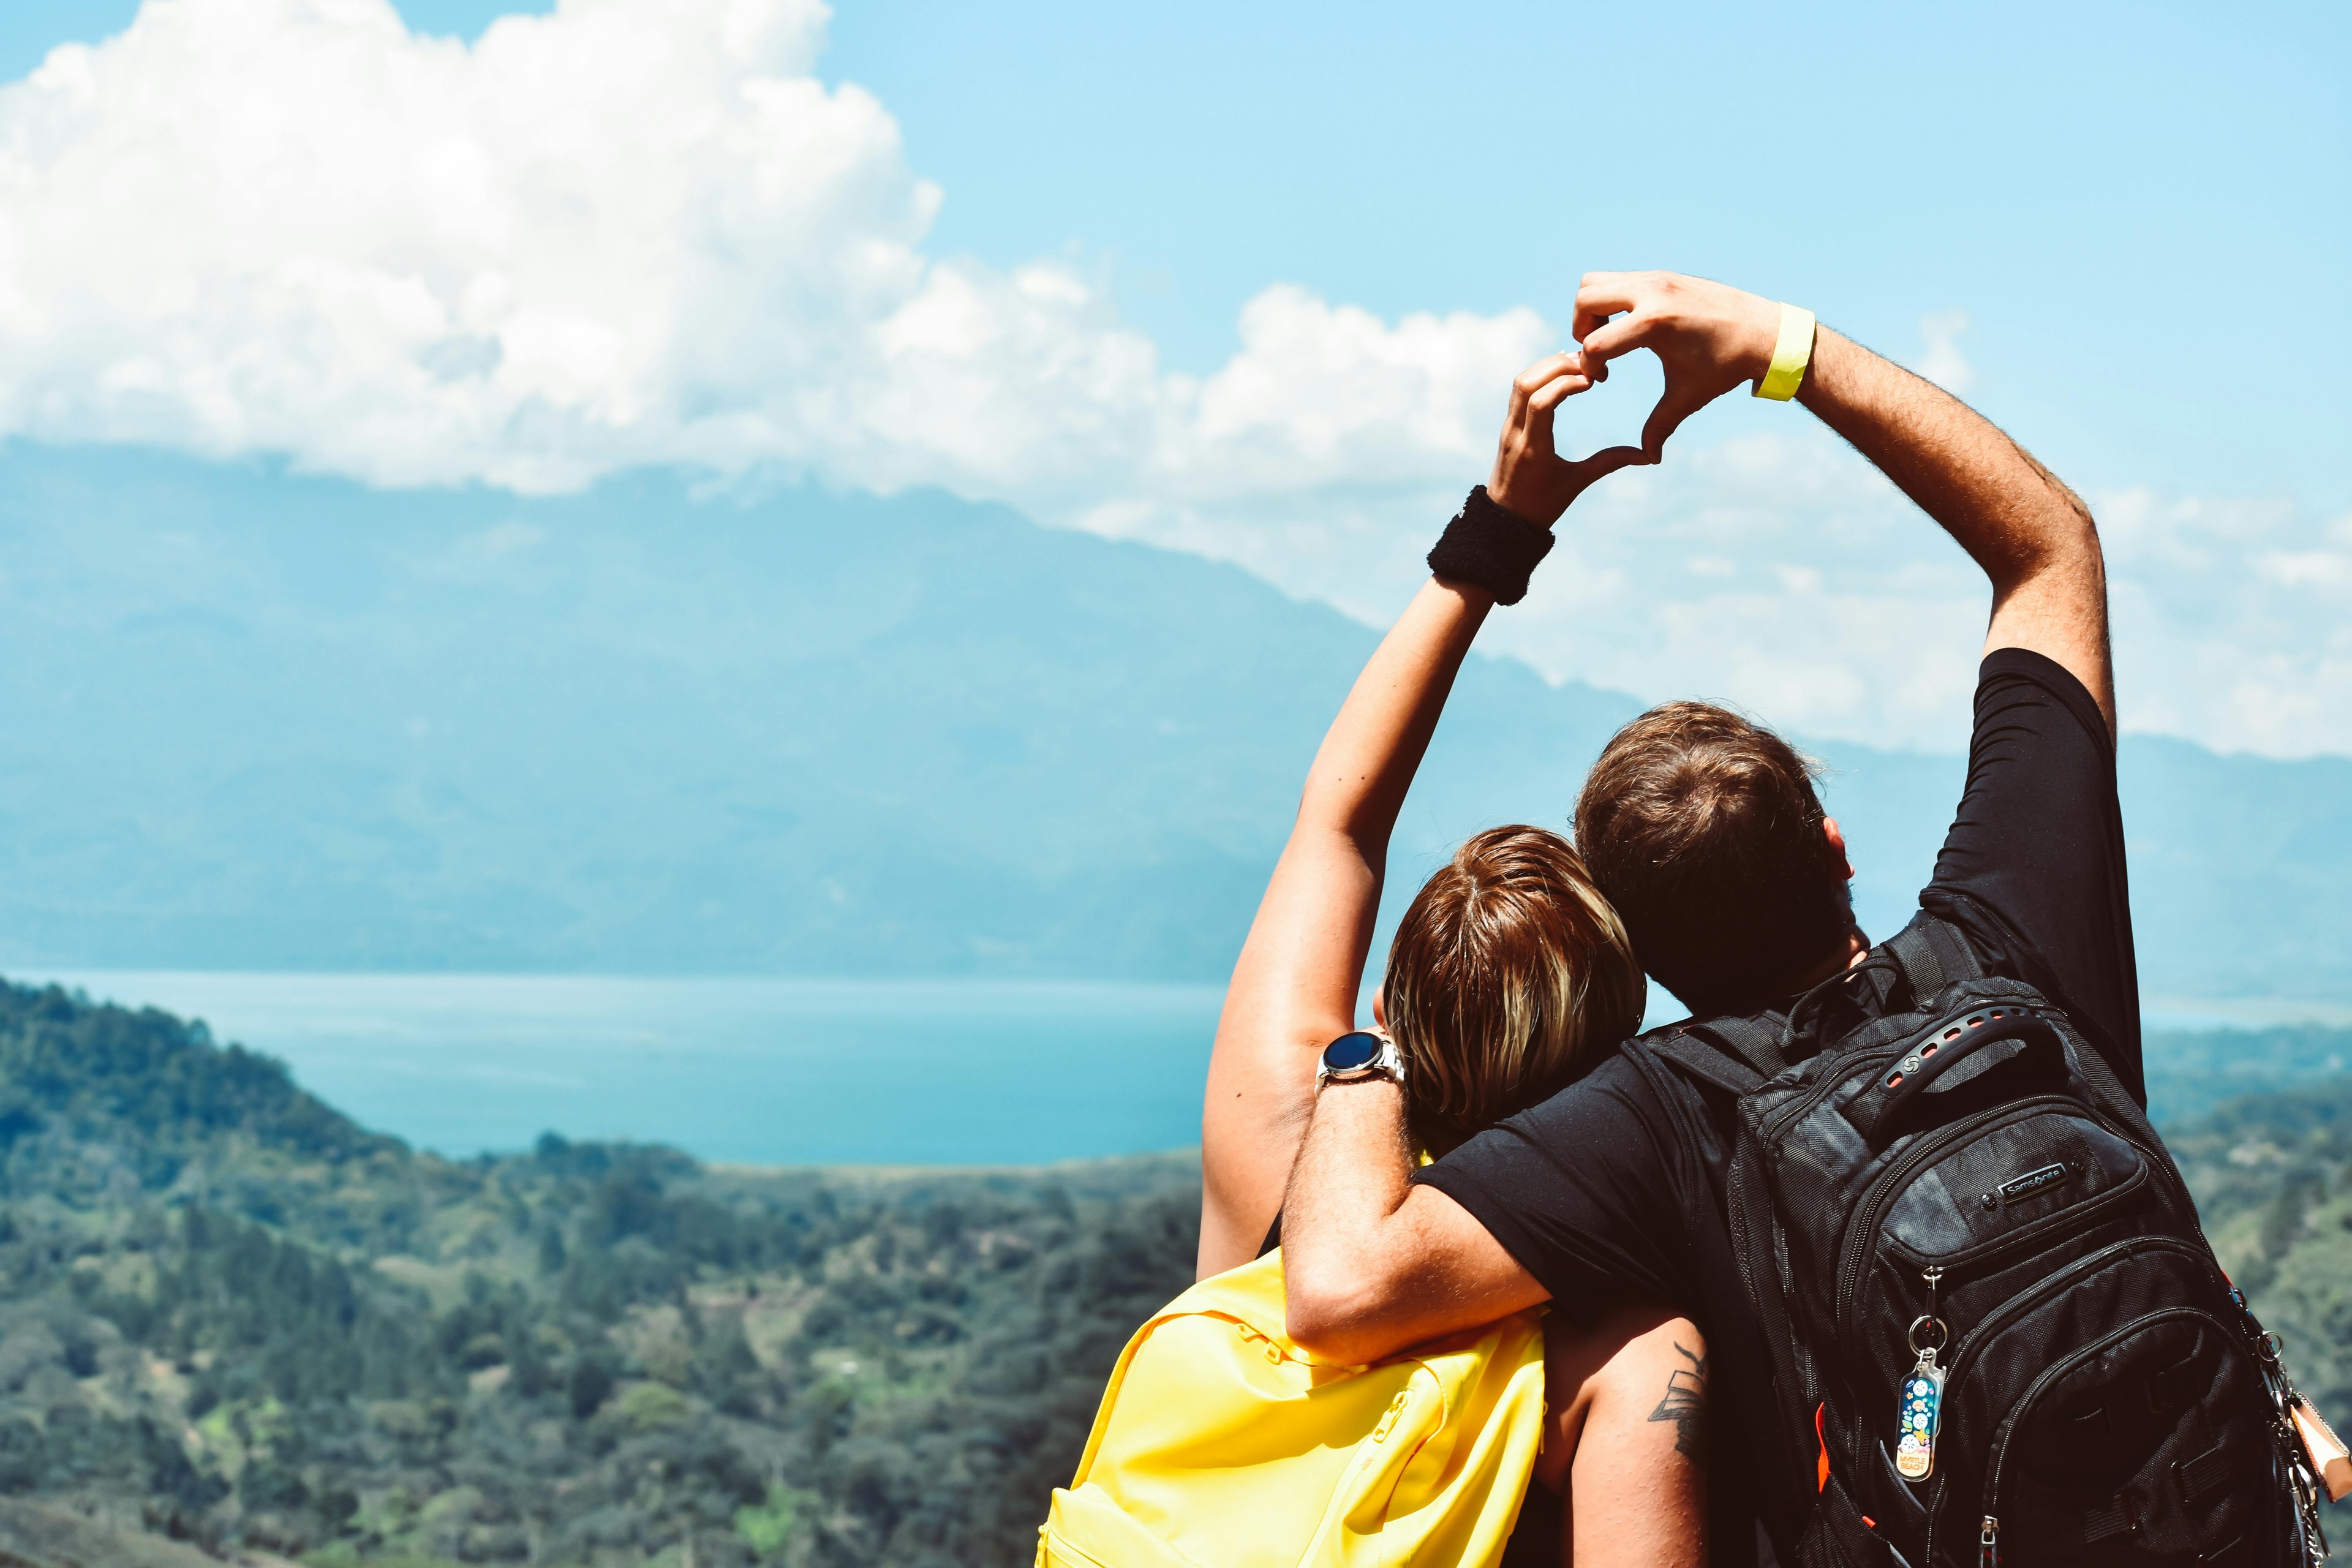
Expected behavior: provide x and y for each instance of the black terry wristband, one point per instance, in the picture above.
(1490, 548)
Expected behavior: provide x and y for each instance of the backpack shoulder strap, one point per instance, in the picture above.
(1752, 1040)
(1684, 1046)
(1932, 956)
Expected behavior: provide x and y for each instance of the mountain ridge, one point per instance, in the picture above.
(261, 721)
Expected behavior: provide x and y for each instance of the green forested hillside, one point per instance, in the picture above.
(229, 1315)
(232, 1316)
(2273, 1175)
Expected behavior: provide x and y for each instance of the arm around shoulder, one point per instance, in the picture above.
(1371, 1261)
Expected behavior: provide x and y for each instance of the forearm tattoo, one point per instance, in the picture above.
(1685, 1405)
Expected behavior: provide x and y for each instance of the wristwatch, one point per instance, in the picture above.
(1360, 1054)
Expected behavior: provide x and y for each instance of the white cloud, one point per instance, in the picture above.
(1942, 363)
(1777, 572)
(647, 231)
(2230, 623)
(633, 231)
(1783, 573)
(1832, 605)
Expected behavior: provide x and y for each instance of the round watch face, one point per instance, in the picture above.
(1351, 1051)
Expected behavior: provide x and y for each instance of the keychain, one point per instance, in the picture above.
(1921, 1407)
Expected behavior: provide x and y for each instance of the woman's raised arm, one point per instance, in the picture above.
(1294, 988)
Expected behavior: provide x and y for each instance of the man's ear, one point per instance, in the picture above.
(1837, 847)
(1380, 1013)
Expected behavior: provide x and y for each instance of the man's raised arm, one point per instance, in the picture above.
(2033, 537)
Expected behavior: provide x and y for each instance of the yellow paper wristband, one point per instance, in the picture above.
(1791, 355)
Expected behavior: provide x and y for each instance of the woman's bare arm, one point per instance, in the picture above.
(1295, 985)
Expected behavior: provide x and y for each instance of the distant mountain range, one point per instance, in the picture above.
(265, 721)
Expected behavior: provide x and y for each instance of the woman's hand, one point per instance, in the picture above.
(1531, 480)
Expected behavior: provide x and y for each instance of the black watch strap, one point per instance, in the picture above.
(1491, 548)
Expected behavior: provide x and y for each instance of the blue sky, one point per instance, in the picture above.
(2122, 230)
(2099, 186)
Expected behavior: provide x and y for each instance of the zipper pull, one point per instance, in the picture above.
(1989, 1544)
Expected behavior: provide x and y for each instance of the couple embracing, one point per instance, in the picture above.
(1877, 1248)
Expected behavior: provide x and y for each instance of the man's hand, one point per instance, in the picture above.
(1531, 480)
(1710, 338)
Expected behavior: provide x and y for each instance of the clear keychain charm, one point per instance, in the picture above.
(1921, 1408)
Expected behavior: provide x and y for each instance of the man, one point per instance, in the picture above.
(1706, 832)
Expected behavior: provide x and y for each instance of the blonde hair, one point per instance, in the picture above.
(1507, 970)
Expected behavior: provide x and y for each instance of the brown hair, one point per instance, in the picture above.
(1704, 829)
(1508, 966)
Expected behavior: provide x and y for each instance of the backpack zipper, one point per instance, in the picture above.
(1990, 1540)
(2025, 1300)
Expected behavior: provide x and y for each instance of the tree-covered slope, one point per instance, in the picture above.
(2273, 1175)
(229, 1315)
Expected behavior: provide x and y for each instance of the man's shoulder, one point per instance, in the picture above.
(2009, 674)
(1628, 1088)
(1629, 1120)
(1618, 1077)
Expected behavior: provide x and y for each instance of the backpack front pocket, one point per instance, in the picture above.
(1970, 1216)
(2011, 1187)
(2016, 1354)
(2152, 1440)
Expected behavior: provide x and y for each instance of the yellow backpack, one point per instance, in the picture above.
(1220, 1443)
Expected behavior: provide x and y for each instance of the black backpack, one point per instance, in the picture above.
(1996, 1333)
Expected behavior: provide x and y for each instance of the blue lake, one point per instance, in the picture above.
(753, 1070)
(777, 1072)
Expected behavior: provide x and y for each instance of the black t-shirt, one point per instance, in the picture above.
(1613, 1187)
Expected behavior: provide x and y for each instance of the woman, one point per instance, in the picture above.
(1507, 973)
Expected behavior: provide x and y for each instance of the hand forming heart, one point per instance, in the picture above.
(1530, 479)
(1708, 337)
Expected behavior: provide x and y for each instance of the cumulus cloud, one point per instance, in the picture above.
(643, 232)
(630, 232)
(2231, 616)
(1782, 574)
